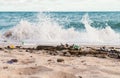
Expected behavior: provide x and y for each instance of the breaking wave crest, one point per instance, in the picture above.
(49, 31)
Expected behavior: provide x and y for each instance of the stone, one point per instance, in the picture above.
(60, 60)
(12, 61)
(8, 34)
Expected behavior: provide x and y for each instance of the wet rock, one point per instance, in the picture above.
(52, 53)
(67, 54)
(18, 47)
(104, 49)
(8, 34)
(60, 60)
(12, 61)
(111, 47)
(76, 53)
(114, 54)
(1, 48)
(61, 47)
(51, 48)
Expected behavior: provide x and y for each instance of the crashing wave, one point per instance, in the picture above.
(48, 30)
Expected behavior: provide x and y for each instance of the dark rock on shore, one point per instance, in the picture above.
(45, 47)
(60, 60)
(12, 61)
(114, 54)
(72, 51)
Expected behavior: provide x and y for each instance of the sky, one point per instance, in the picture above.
(59, 5)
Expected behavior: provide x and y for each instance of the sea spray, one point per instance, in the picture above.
(90, 31)
(47, 30)
(101, 36)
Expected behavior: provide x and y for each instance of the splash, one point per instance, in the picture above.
(103, 36)
(90, 31)
(48, 31)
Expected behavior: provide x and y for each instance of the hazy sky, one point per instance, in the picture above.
(59, 5)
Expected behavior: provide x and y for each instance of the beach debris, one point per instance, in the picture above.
(77, 51)
(11, 46)
(60, 60)
(72, 50)
(76, 47)
(12, 61)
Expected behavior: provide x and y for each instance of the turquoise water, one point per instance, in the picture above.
(75, 27)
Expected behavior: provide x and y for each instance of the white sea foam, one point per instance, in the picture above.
(104, 36)
(48, 31)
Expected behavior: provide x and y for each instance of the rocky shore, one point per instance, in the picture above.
(75, 50)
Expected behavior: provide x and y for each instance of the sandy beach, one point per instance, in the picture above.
(42, 62)
(59, 38)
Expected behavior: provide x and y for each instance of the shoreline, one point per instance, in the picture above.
(70, 50)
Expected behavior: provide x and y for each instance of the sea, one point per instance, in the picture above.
(89, 28)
